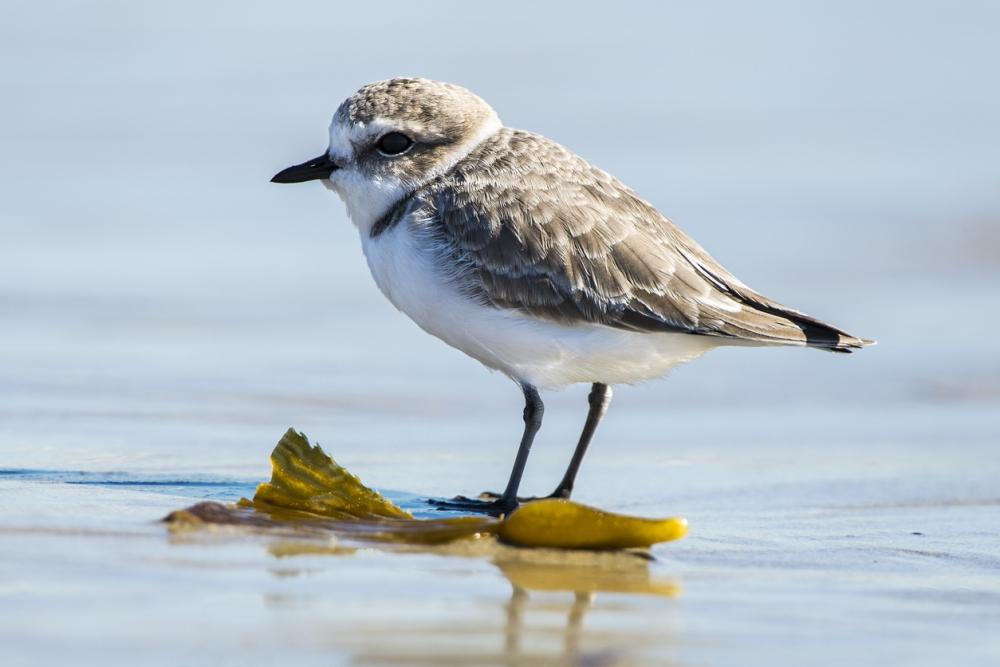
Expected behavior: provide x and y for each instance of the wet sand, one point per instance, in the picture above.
(804, 555)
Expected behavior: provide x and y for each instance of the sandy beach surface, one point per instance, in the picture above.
(165, 315)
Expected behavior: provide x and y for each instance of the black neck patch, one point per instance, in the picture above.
(391, 217)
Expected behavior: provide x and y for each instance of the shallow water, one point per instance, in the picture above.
(165, 315)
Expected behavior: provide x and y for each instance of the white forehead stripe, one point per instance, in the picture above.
(345, 136)
(340, 143)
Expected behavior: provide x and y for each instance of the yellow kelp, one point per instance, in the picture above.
(304, 479)
(564, 524)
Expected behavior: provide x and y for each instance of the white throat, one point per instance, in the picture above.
(368, 199)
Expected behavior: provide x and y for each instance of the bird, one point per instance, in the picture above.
(531, 260)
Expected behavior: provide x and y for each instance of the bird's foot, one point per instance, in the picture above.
(490, 504)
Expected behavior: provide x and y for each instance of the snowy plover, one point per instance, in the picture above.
(528, 258)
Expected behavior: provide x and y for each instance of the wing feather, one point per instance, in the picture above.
(543, 231)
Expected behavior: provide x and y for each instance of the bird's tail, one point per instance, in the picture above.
(791, 326)
(761, 320)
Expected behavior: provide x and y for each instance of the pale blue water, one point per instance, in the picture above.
(165, 314)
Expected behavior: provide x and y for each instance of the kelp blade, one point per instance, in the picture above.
(306, 479)
(558, 523)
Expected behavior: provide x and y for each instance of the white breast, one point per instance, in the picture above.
(546, 354)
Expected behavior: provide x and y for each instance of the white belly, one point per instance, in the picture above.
(542, 353)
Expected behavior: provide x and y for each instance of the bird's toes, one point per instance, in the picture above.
(495, 507)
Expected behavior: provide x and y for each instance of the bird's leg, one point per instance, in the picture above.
(533, 411)
(599, 400)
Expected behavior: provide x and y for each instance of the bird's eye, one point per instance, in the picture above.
(394, 143)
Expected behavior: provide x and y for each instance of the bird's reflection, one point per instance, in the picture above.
(582, 601)
(542, 582)
(618, 573)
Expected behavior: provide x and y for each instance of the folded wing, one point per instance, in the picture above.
(540, 230)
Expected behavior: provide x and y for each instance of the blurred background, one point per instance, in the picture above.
(162, 301)
(164, 309)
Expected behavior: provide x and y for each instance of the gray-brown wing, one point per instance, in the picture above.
(543, 231)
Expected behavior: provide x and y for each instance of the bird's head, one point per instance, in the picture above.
(391, 137)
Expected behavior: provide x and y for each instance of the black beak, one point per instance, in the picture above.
(310, 170)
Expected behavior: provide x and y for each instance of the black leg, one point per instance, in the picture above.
(533, 411)
(599, 399)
